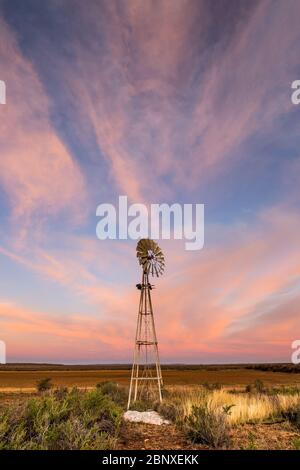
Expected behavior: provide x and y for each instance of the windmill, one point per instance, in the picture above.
(146, 371)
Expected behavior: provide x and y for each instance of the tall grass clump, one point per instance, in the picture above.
(69, 420)
(243, 407)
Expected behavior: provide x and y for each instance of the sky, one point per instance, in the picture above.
(181, 101)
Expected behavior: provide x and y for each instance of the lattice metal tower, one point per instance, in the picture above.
(146, 378)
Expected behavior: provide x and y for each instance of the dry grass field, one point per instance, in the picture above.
(235, 407)
(242, 407)
(25, 378)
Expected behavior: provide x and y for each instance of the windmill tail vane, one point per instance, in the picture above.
(146, 377)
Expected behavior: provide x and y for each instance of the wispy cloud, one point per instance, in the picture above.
(38, 174)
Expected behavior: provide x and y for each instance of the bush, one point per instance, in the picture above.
(293, 416)
(44, 384)
(114, 391)
(79, 420)
(213, 386)
(61, 393)
(208, 427)
(259, 386)
(168, 410)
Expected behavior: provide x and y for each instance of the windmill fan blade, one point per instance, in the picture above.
(153, 244)
(150, 257)
(141, 244)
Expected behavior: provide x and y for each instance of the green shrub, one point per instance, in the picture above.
(61, 393)
(208, 427)
(293, 416)
(168, 410)
(114, 391)
(77, 420)
(259, 386)
(44, 384)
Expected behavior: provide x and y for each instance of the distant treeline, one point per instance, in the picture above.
(289, 368)
(278, 367)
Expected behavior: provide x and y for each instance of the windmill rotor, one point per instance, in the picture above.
(150, 257)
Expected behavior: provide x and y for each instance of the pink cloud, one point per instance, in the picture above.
(155, 116)
(36, 334)
(37, 172)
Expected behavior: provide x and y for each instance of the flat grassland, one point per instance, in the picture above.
(24, 377)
